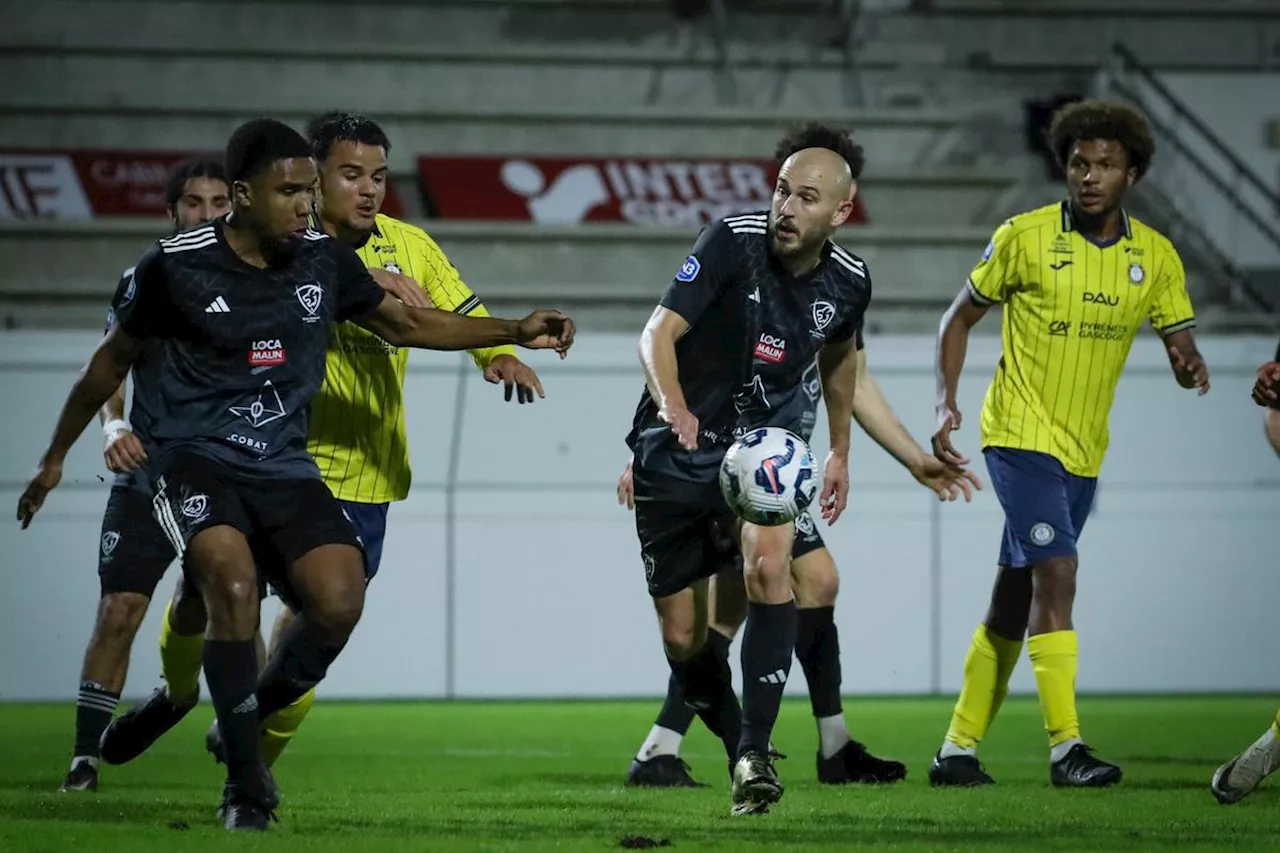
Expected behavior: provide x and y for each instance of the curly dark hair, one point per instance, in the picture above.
(816, 135)
(1094, 119)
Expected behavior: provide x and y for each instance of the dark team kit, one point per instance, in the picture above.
(221, 390)
(748, 360)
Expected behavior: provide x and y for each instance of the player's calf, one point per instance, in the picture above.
(106, 664)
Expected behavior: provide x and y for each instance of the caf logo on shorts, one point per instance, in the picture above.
(196, 506)
(649, 566)
(110, 540)
(804, 524)
(1042, 534)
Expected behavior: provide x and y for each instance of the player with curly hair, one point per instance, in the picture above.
(1077, 280)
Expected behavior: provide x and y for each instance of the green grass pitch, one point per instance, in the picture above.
(525, 776)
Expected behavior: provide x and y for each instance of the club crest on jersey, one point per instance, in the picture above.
(771, 348)
(689, 269)
(1137, 274)
(392, 267)
(309, 296)
(266, 353)
(110, 540)
(823, 313)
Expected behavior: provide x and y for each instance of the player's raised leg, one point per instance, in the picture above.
(1240, 776)
(816, 582)
(768, 643)
(658, 763)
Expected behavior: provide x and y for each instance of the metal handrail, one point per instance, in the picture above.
(1131, 60)
(1213, 178)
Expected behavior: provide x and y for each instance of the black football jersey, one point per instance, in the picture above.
(239, 351)
(748, 359)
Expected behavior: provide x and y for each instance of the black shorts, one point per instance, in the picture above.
(133, 551)
(808, 539)
(682, 542)
(283, 519)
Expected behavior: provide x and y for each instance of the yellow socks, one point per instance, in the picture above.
(987, 669)
(180, 660)
(278, 729)
(1054, 658)
(1275, 727)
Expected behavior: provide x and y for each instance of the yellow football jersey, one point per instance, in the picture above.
(1071, 311)
(357, 430)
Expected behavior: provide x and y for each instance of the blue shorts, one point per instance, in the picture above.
(370, 522)
(1045, 507)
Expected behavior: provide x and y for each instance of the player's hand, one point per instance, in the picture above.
(1191, 371)
(123, 452)
(48, 475)
(516, 375)
(835, 487)
(546, 330)
(948, 481)
(1266, 391)
(684, 424)
(626, 488)
(948, 422)
(401, 287)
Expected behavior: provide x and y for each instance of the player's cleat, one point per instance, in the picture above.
(1080, 769)
(132, 733)
(661, 771)
(241, 811)
(755, 784)
(82, 777)
(958, 771)
(213, 745)
(1238, 778)
(854, 764)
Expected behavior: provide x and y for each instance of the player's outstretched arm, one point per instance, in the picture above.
(100, 379)
(428, 328)
(876, 417)
(657, 349)
(953, 344)
(1185, 359)
(838, 366)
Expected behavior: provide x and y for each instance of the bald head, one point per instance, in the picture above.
(814, 197)
(820, 169)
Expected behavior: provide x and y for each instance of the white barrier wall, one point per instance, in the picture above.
(511, 571)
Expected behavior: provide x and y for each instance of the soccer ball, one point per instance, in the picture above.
(767, 476)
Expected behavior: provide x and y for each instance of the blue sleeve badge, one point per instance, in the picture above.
(989, 251)
(689, 269)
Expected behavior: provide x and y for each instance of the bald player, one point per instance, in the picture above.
(725, 352)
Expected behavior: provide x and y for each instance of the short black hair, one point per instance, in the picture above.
(327, 130)
(176, 184)
(1094, 119)
(816, 135)
(257, 144)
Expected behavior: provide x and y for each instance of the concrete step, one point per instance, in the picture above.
(48, 261)
(900, 138)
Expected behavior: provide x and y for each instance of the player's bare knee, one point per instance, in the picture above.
(815, 580)
(682, 619)
(727, 608)
(1010, 607)
(119, 616)
(768, 578)
(1054, 580)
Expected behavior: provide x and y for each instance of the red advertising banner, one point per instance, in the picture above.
(662, 191)
(85, 184)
